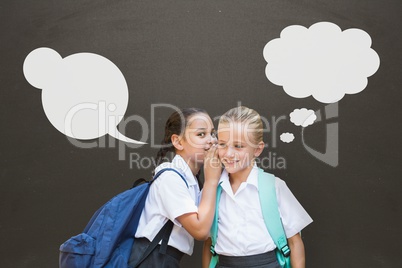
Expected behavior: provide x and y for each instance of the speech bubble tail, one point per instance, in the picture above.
(117, 135)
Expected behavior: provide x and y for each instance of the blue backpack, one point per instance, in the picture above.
(107, 240)
(272, 219)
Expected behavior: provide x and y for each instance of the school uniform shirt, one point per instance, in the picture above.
(241, 227)
(170, 198)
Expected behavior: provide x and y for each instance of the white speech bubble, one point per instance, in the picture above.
(321, 61)
(84, 95)
(302, 117)
(287, 137)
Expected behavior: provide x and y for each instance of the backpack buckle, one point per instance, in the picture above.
(285, 251)
(212, 249)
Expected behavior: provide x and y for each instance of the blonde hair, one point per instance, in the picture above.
(246, 116)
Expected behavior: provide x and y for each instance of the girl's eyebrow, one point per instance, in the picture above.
(204, 129)
(198, 129)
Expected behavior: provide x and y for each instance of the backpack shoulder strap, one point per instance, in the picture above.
(214, 228)
(164, 235)
(168, 169)
(270, 211)
(165, 231)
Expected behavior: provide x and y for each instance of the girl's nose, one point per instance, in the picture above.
(229, 152)
(213, 139)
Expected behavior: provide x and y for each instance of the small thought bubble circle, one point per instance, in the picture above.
(287, 137)
(302, 117)
(322, 61)
(84, 95)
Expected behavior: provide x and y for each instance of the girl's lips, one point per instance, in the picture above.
(230, 162)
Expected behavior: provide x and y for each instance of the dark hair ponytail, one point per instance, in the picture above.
(161, 156)
(176, 124)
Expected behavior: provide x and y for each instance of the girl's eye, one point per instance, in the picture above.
(202, 134)
(238, 146)
(214, 135)
(221, 145)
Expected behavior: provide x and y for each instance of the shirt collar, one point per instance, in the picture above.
(180, 165)
(252, 178)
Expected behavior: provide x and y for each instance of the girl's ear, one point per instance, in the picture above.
(176, 142)
(259, 149)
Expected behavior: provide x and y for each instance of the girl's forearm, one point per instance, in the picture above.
(206, 208)
(199, 224)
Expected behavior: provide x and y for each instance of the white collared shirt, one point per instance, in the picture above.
(241, 227)
(170, 198)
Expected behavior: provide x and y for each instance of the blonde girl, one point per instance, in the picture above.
(243, 239)
(190, 135)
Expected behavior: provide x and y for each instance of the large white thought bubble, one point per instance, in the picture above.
(302, 117)
(84, 95)
(322, 61)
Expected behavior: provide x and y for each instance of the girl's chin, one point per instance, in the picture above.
(231, 168)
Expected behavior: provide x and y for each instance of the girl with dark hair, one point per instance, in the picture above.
(190, 135)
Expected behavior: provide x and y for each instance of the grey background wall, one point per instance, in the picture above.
(206, 54)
